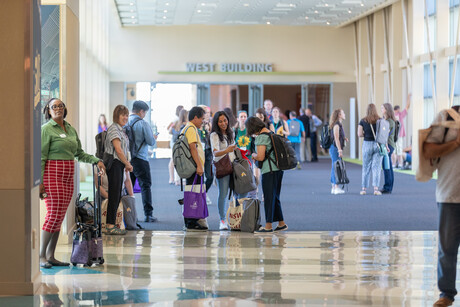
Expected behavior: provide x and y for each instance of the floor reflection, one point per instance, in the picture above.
(233, 268)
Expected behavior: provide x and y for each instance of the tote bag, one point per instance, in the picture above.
(234, 215)
(195, 202)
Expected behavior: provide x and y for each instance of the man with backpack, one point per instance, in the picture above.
(296, 133)
(140, 137)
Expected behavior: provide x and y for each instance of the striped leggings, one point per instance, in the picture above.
(58, 181)
(372, 160)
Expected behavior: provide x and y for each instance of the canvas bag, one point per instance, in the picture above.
(195, 206)
(234, 215)
(380, 146)
(119, 219)
(129, 212)
(426, 167)
(243, 178)
(250, 221)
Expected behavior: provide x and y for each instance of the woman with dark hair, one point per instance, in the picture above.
(372, 160)
(102, 125)
(231, 117)
(272, 176)
(262, 115)
(60, 146)
(117, 146)
(336, 149)
(388, 114)
(280, 126)
(222, 143)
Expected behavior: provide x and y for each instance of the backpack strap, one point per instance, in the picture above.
(268, 153)
(132, 127)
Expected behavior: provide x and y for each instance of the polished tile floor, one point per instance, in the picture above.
(240, 269)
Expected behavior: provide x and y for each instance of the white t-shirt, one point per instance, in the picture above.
(448, 183)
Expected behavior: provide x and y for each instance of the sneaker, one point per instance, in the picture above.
(263, 230)
(196, 227)
(203, 223)
(442, 302)
(208, 200)
(282, 228)
(223, 225)
(338, 191)
(299, 166)
(362, 192)
(377, 193)
(332, 190)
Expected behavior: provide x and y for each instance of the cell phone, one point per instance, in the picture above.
(157, 133)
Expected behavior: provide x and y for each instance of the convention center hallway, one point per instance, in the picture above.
(159, 268)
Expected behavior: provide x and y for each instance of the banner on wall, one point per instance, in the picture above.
(36, 84)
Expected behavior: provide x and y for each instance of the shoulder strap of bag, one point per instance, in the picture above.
(372, 128)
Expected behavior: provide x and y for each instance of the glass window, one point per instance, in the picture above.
(453, 21)
(431, 8)
(428, 103)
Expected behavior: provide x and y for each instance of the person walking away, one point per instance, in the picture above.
(195, 116)
(400, 116)
(222, 143)
(272, 177)
(338, 143)
(296, 134)
(116, 145)
(315, 123)
(305, 151)
(280, 126)
(141, 168)
(372, 160)
(387, 112)
(444, 143)
(60, 145)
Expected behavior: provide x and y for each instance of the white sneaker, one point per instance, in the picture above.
(208, 200)
(332, 190)
(223, 225)
(338, 191)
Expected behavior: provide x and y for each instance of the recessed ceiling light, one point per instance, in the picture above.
(316, 12)
(291, 5)
(164, 17)
(165, 11)
(198, 11)
(306, 17)
(328, 23)
(132, 17)
(326, 4)
(203, 4)
(349, 11)
(167, 3)
(268, 22)
(246, 4)
(131, 3)
(362, 4)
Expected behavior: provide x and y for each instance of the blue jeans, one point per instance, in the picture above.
(296, 147)
(141, 171)
(334, 153)
(449, 240)
(224, 185)
(388, 173)
(271, 186)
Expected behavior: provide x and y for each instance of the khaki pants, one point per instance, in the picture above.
(305, 150)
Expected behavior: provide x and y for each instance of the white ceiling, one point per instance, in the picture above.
(244, 12)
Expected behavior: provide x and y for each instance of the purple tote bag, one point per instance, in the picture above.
(195, 206)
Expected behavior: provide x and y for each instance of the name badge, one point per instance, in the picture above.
(62, 135)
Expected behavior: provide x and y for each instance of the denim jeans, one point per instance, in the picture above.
(449, 240)
(296, 147)
(388, 173)
(224, 185)
(334, 153)
(372, 160)
(271, 186)
(141, 171)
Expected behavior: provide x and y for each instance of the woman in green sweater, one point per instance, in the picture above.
(60, 147)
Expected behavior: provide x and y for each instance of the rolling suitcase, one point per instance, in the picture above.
(87, 238)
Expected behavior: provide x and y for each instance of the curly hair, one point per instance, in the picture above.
(334, 118)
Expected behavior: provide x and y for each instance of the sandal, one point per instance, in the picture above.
(115, 231)
(377, 192)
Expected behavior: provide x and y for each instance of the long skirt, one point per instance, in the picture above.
(58, 181)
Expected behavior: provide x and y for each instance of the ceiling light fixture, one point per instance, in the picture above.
(198, 11)
(132, 17)
(328, 23)
(268, 22)
(316, 12)
(362, 4)
(246, 4)
(131, 3)
(164, 17)
(306, 17)
(291, 5)
(167, 3)
(349, 11)
(165, 11)
(326, 4)
(203, 4)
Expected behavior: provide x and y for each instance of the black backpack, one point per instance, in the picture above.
(340, 173)
(326, 138)
(285, 158)
(397, 127)
(100, 144)
(132, 139)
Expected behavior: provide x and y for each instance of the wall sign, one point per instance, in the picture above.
(229, 67)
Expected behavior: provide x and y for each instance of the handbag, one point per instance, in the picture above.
(381, 147)
(195, 202)
(426, 167)
(234, 215)
(223, 167)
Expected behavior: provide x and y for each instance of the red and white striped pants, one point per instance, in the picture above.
(58, 181)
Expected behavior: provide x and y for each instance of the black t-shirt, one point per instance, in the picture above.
(306, 123)
(368, 135)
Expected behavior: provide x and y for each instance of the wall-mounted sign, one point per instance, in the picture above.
(229, 67)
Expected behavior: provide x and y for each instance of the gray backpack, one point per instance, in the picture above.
(383, 131)
(182, 157)
(250, 221)
(294, 128)
(129, 213)
(243, 178)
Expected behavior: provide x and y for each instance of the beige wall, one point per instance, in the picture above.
(138, 53)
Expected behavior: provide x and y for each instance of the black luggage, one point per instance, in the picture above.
(87, 238)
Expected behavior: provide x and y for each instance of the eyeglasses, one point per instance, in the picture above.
(57, 106)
